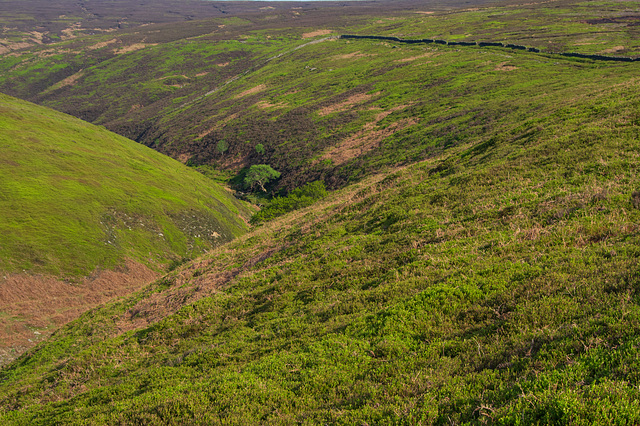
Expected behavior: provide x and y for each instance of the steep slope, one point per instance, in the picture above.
(77, 200)
(498, 282)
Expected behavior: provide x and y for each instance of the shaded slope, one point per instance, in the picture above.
(498, 282)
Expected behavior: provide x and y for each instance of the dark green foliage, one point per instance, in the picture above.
(222, 146)
(260, 175)
(296, 199)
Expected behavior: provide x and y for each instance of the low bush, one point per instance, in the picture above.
(297, 199)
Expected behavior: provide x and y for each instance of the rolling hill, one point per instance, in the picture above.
(210, 91)
(498, 282)
(78, 201)
(476, 261)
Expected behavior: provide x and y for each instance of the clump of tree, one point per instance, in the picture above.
(259, 175)
(297, 199)
(222, 146)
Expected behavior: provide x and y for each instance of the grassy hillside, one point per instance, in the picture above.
(76, 197)
(495, 279)
(477, 263)
(88, 215)
(212, 91)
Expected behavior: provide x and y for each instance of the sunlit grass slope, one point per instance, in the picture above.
(496, 283)
(75, 197)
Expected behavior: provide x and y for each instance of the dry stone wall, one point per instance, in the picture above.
(490, 44)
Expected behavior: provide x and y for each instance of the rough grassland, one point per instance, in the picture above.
(262, 79)
(87, 215)
(497, 283)
(75, 197)
(479, 263)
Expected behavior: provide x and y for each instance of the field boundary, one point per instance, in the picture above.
(490, 44)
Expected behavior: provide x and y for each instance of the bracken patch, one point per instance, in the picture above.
(346, 104)
(34, 306)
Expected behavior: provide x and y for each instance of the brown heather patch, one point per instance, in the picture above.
(52, 52)
(259, 88)
(36, 37)
(135, 107)
(101, 44)
(265, 105)
(366, 139)
(226, 120)
(352, 55)
(8, 46)
(503, 67)
(132, 48)
(200, 278)
(108, 30)
(69, 81)
(34, 306)
(235, 163)
(346, 104)
(316, 33)
(614, 49)
(218, 124)
(203, 134)
(183, 158)
(68, 33)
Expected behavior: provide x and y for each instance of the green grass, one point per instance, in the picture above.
(76, 197)
(495, 283)
(189, 91)
(477, 264)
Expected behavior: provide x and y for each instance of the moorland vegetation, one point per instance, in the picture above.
(77, 201)
(475, 260)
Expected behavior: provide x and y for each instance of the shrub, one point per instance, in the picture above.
(297, 199)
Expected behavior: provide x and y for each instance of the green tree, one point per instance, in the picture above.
(260, 149)
(222, 146)
(260, 175)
